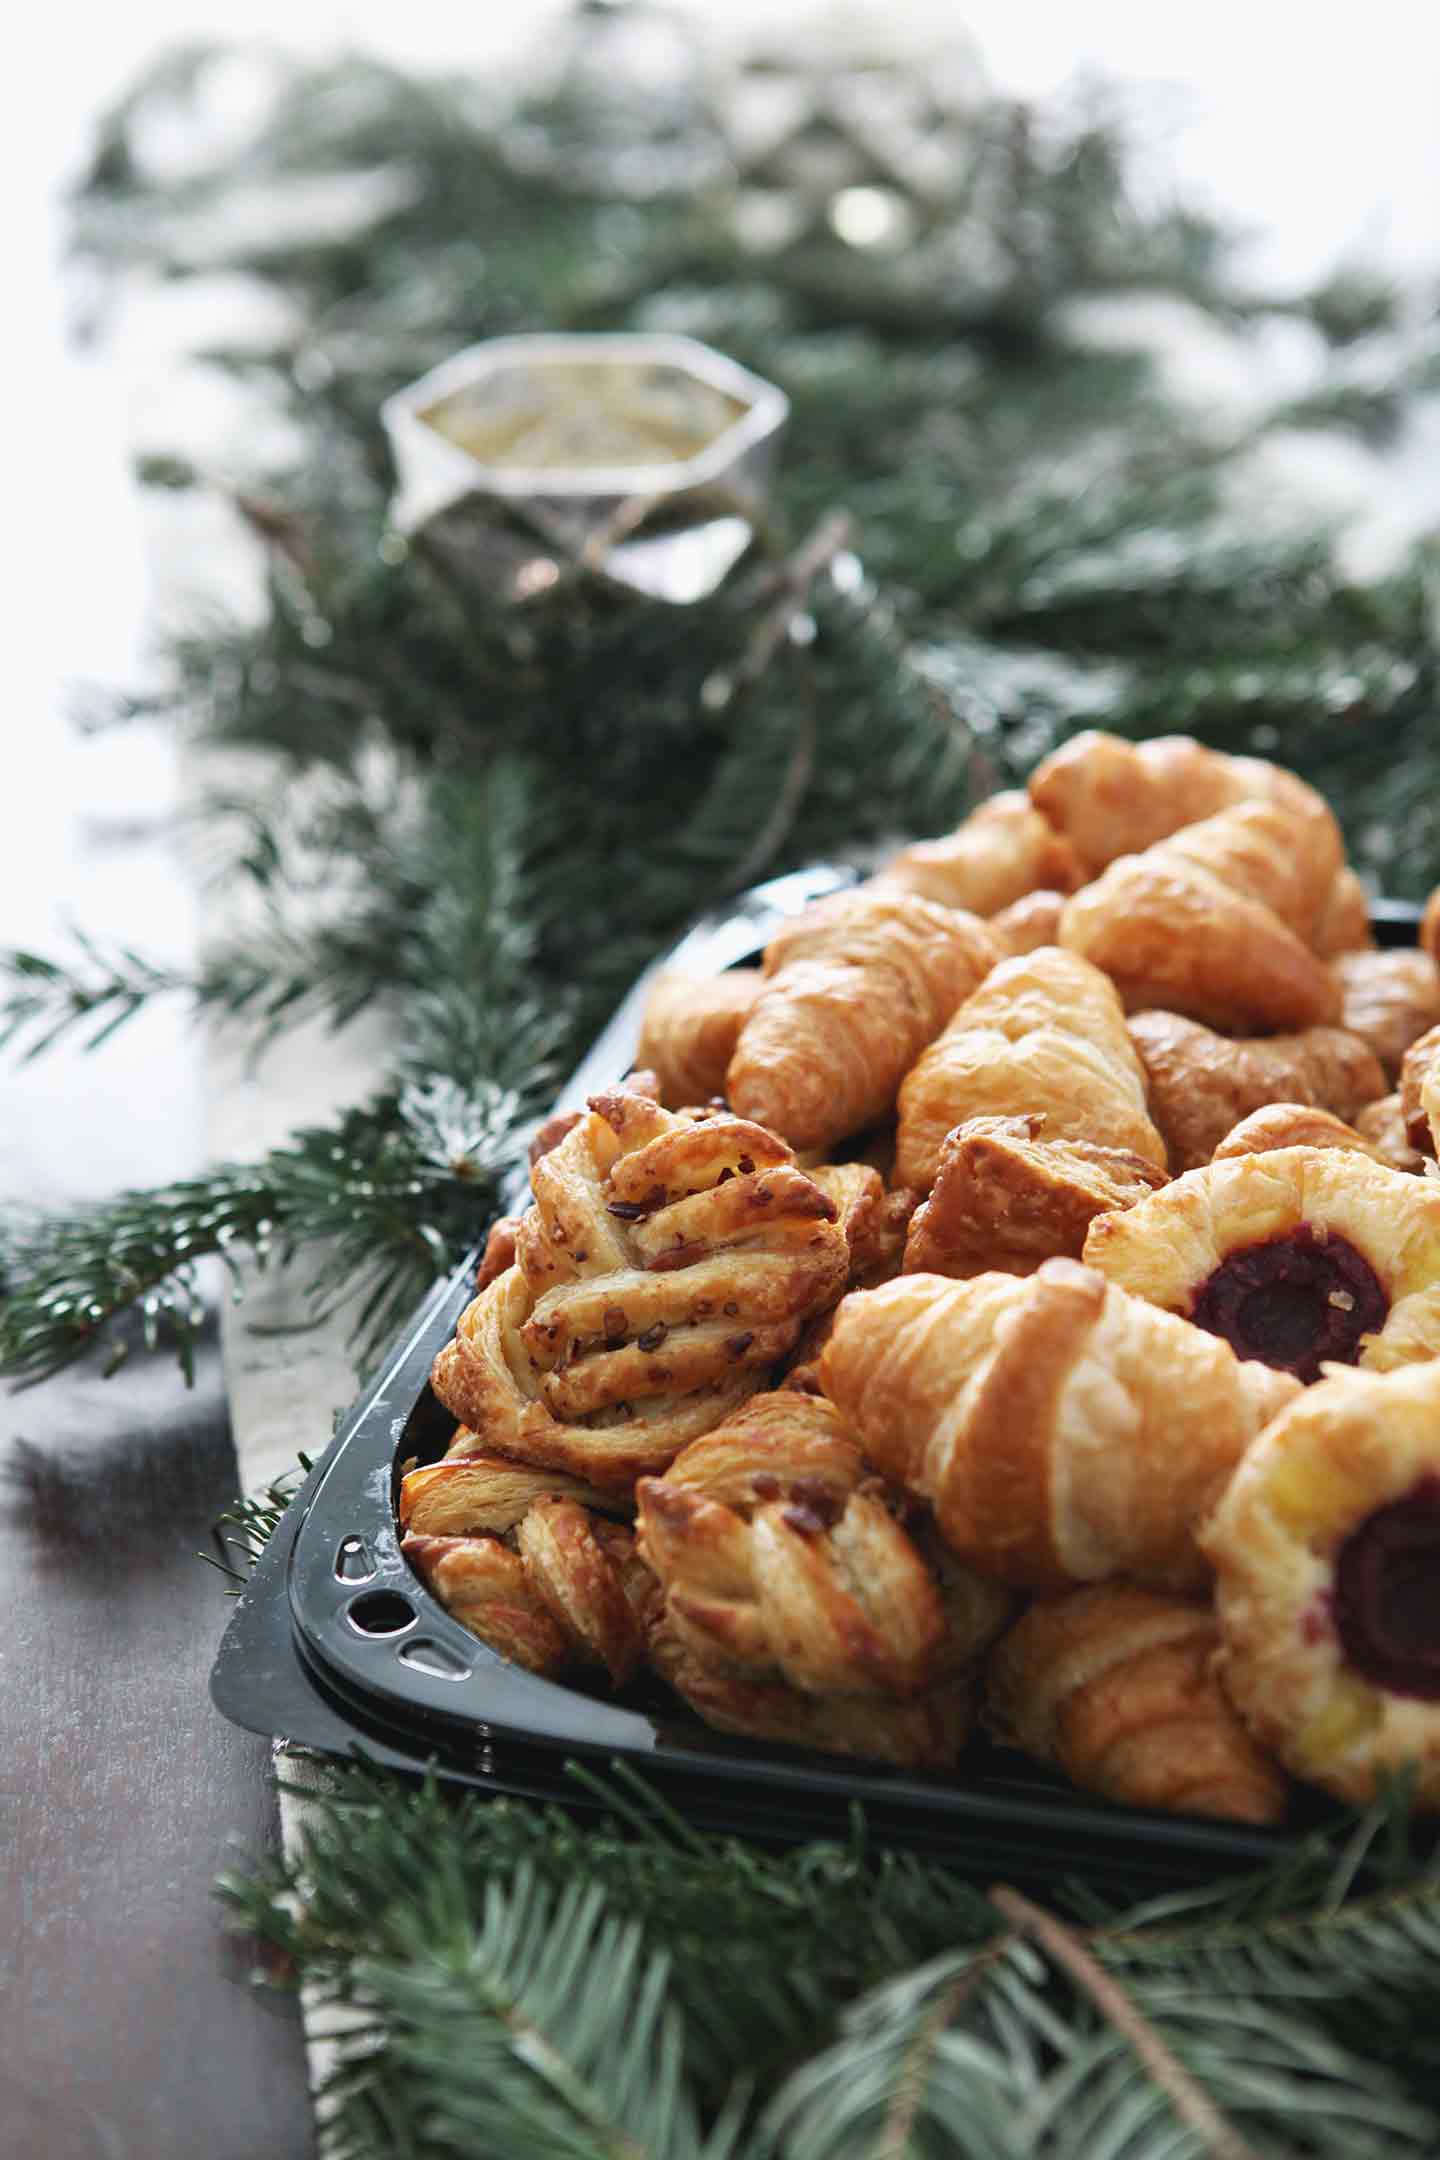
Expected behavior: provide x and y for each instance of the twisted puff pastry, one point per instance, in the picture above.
(1430, 927)
(1044, 1033)
(690, 1029)
(1327, 1552)
(1115, 1686)
(1213, 921)
(1388, 999)
(667, 1263)
(1063, 1433)
(1006, 1197)
(1002, 851)
(856, 987)
(1202, 1084)
(1297, 1257)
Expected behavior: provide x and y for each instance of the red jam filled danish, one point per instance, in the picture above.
(1326, 1549)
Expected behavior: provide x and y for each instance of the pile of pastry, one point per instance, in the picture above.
(1017, 1302)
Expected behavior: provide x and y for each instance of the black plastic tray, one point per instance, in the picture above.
(336, 1643)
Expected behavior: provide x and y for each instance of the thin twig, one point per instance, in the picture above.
(792, 581)
(1192, 2104)
(910, 2087)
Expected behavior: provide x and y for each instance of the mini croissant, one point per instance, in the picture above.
(1286, 1125)
(1384, 1124)
(1388, 999)
(856, 986)
(1202, 1084)
(1114, 1685)
(1420, 1092)
(691, 1026)
(668, 1262)
(1061, 1433)
(1044, 1033)
(1002, 851)
(1213, 922)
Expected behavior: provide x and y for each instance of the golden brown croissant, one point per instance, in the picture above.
(1114, 1685)
(1007, 1197)
(1003, 849)
(1295, 1258)
(689, 1032)
(1286, 1124)
(1430, 927)
(1344, 920)
(1062, 1433)
(1202, 1084)
(1419, 1100)
(1327, 1552)
(856, 987)
(561, 1593)
(1031, 921)
(1209, 921)
(1044, 1032)
(1388, 999)
(668, 1263)
(1383, 1124)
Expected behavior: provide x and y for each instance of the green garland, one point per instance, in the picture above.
(1039, 538)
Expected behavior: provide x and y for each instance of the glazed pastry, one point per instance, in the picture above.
(668, 1263)
(470, 1492)
(1043, 1033)
(1420, 1091)
(856, 987)
(1006, 1197)
(1388, 999)
(1114, 1686)
(1202, 1084)
(1295, 1258)
(1383, 1124)
(1287, 1124)
(1213, 921)
(559, 1594)
(1344, 921)
(1026, 923)
(689, 1032)
(1003, 849)
(1327, 1554)
(1110, 797)
(1063, 1433)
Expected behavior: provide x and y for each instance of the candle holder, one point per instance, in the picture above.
(644, 460)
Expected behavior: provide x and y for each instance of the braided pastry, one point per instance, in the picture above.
(1213, 922)
(1202, 1084)
(1388, 999)
(689, 1032)
(857, 985)
(471, 1492)
(1043, 1033)
(1063, 1433)
(1005, 1197)
(1115, 1686)
(1295, 1258)
(1003, 850)
(1327, 1552)
(668, 1262)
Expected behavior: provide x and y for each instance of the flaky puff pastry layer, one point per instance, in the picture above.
(1388, 999)
(1006, 1196)
(1115, 1686)
(1044, 1033)
(1355, 1444)
(691, 1026)
(1207, 923)
(856, 987)
(1063, 1432)
(1200, 1084)
(564, 1591)
(1167, 1248)
(1003, 850)
(668, 1262)
(1283, 1125)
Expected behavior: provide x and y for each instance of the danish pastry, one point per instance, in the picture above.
(689, 1032)
(1388, 999)
(1202, 1084)
(1294, 1258)
(1287, 1124)
(1045, 1033)
(668, 1262)
(1213, 922)
(1115, 1686)
(1003, 849)
(1420, 1091)
(470, 1492)
(1007, 1197)
(1327, 1554)
(1062, 1432)
(856, 987)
